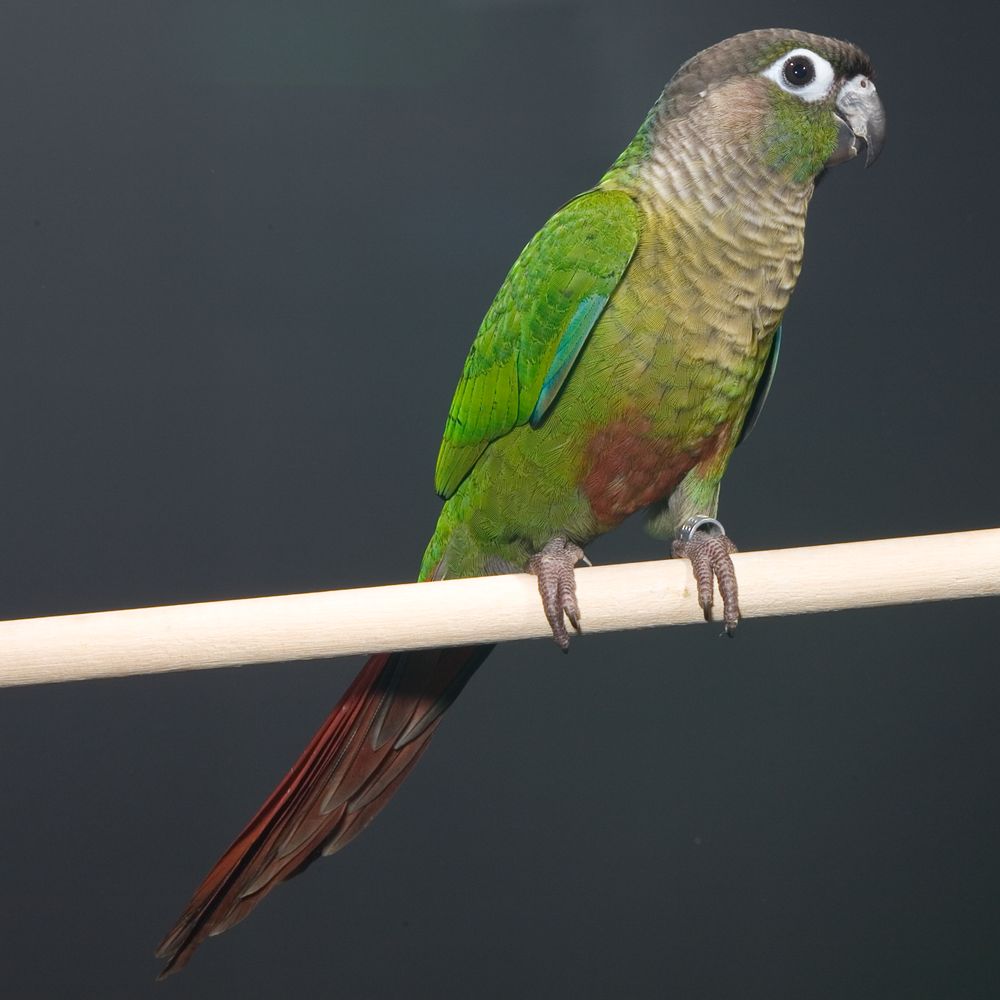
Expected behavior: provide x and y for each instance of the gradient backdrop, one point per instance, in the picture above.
(246, 246)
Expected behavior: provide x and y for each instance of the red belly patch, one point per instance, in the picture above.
(627, 468)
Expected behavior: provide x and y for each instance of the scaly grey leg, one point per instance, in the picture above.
(705, 543)
(554, 567)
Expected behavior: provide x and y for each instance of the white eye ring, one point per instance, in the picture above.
(816, 89)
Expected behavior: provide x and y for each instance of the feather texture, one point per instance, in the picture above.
(537, 326)
(342, 780)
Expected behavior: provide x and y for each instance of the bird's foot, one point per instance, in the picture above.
(554, 567)
(705, 543)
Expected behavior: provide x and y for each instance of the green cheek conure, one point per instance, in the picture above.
(625, 356)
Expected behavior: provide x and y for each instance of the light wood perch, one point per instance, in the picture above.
(454, 612)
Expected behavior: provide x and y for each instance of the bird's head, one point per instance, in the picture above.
(801, 101)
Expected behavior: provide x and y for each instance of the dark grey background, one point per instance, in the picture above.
(245, 247)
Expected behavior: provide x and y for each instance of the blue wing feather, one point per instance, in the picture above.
(570, 344)
(763, 387)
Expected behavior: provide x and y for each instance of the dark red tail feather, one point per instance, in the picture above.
(349, 771)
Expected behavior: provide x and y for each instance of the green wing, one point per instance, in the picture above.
(537, 326)
(763, 387)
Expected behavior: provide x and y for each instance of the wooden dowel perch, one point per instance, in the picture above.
(454, 612)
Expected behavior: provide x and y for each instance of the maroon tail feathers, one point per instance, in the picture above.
(349, 771)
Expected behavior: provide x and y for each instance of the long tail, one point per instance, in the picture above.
(349, 771)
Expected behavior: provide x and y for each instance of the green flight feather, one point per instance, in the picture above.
(537, 326)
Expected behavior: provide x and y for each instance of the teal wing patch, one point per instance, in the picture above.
(763, 387)
(569, 346)
(536, 327)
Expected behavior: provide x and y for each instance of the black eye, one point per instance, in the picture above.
(799, 71)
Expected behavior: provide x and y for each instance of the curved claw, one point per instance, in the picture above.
(554, 567)
(704, 542)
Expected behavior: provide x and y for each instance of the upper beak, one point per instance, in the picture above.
(861, 121)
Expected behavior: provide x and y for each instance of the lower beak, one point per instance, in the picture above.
(860, 120)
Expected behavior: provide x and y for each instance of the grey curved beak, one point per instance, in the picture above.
(861, 121)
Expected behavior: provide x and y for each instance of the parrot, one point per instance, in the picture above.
(627, 353)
